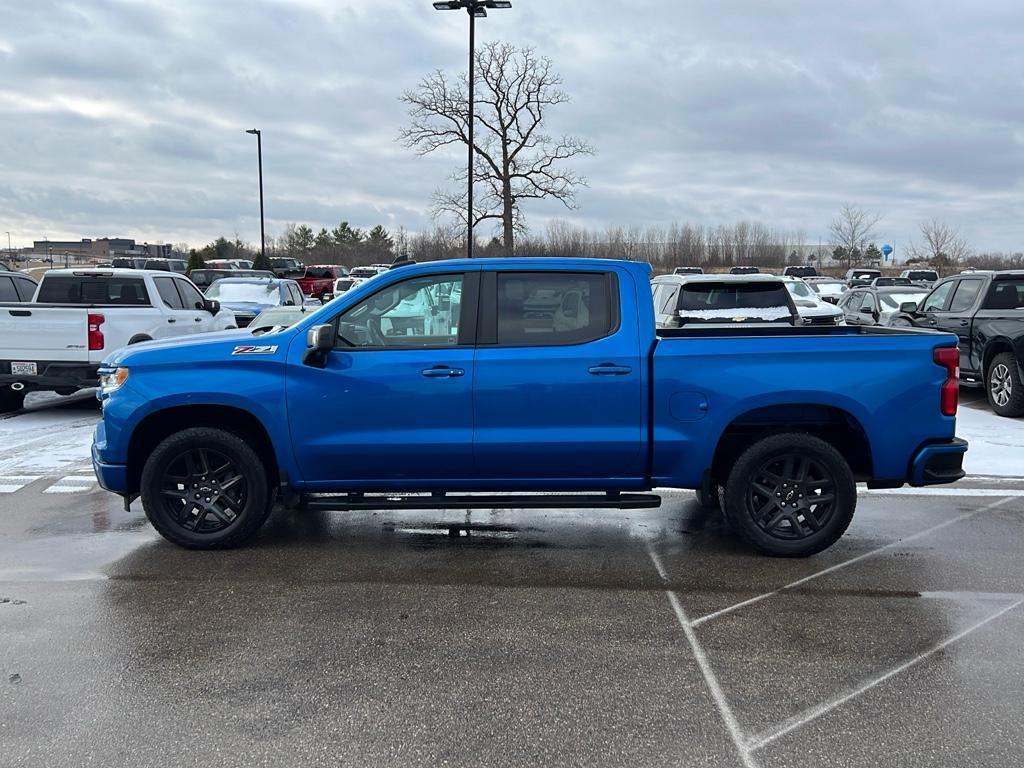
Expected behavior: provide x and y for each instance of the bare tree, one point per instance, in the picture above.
(942, 244)
(515, 160)
(851, 231)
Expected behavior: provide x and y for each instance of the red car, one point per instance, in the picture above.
(319, 279)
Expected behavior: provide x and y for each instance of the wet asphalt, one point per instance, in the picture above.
(639, 638)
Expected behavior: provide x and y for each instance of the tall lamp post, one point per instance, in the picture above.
(259, 154)
(476, 9)
(10, 251)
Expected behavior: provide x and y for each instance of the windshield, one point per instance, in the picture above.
(893, 300)
(279, 317)
(257, 293)
(800, 290)
(830, 289)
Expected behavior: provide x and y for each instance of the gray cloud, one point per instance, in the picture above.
(122, 117)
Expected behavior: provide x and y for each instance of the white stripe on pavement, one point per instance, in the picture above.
(14, 483)
(72, 484)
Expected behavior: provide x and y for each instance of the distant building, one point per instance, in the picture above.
(103, 248)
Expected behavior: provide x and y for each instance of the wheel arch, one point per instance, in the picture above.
(833, 424)
(997, 346)
(159, 425)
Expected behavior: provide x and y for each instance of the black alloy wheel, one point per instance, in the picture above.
(791, 496)
(206, 488)
(203, 490)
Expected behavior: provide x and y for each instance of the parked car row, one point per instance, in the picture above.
(56, 341)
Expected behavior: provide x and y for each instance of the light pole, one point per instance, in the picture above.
(259, 154)
(10, 251)
(476, 9)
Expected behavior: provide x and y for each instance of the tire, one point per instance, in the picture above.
(783, 470)
(1004, 386)
(218, 470)
(11, 401)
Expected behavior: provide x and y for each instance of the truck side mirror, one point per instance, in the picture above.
(319, 342)
(212, 306)
(908, 307)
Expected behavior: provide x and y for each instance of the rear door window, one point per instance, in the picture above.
(25, 288)
(1005, 294)
(7, 292)
(169, 294)
(554, 308)
(73, 289)
(965, 294)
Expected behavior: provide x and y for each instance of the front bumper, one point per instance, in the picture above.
(111, 477)
(938, 463)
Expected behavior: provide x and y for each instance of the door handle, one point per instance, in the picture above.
(608, 369)
(198, 319)
(443, 372)
(965, 323)
(171, 320)
(932, 321)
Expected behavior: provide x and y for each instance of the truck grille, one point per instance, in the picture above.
(821, 320)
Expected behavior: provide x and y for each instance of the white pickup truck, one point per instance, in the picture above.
(78, 317)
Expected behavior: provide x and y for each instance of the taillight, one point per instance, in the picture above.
(949, 358)
(95, 334)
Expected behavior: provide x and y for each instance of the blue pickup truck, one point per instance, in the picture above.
(541, 378)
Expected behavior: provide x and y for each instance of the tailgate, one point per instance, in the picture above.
(34, 332)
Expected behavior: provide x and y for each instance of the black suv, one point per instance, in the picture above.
(986, 310)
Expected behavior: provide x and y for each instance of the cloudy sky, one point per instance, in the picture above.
(127, 118)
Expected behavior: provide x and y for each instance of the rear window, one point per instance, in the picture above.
(1006, 294)
(718, 302)
(73, 289)
(922, 275)
(553, 308)
(319, 273)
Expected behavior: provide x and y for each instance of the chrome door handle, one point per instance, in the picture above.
(607, 369)
(171, 320)
(441, 372)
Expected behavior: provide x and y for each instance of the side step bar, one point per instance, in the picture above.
(351, 502)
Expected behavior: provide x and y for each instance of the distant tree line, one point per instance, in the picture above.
(853, 241)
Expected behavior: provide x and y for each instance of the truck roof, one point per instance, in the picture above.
(106, 272)
(748, 278)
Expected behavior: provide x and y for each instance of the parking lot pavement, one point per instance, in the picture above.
(508, 637)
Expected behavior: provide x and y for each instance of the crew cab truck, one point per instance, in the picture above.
(79, 316)
(527, 377)
(986, 312)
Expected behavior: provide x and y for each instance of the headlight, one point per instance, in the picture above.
(112, 381)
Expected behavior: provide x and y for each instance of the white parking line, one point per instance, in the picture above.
(939, 491)
(72, 484)
(832, 569)
(14, 483)
(724, 709)
(798, 721)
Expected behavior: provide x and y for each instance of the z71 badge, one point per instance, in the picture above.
(255, 350)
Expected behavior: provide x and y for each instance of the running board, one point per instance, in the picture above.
(351, 502)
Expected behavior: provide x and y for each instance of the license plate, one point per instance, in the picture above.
(24, 369)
